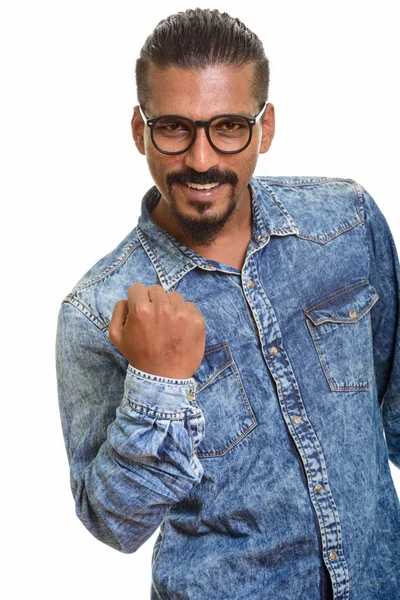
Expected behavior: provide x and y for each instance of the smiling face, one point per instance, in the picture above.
(193, 215)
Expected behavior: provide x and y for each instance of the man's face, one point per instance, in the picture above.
(201, 213)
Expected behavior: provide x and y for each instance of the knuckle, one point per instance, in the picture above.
(164, 308)
(181, 315)
(199, 321)
(142, 309)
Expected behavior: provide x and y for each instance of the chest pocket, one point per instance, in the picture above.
(228, 414)
(340, 327)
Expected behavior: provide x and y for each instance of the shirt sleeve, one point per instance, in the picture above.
(385, 277)
(130, 436)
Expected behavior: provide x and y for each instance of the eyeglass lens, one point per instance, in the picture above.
(175, 134)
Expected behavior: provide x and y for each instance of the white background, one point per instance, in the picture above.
(72, 184)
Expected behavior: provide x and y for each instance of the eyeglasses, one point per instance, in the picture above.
(227, 133)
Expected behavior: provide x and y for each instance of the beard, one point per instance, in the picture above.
(204, 230)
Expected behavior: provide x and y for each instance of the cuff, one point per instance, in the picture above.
(160, 394)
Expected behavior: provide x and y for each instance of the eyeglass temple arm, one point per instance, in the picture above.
(260, 114)
(143, 115)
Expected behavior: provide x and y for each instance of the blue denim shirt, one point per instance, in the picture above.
(268, 469)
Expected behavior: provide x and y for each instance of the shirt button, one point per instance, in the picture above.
(318, 487)
(297, 419)
(261, 238)
(333, 555)
(191, 396)
(352, 313)
(250, 283)
(273, 350)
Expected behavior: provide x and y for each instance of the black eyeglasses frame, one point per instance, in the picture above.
(250, 120)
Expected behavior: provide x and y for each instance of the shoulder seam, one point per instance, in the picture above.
(84, 310)
(302, 182)
(128, 250)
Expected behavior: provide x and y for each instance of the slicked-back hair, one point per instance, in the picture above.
(199, 38)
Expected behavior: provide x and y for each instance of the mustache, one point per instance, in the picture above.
(211, 176)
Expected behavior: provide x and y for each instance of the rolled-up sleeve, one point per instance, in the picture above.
(130, 436)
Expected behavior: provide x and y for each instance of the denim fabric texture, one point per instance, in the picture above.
(267, 471)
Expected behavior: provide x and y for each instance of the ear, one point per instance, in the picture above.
(138, 130)
(268, 128)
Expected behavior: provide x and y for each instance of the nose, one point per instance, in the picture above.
(201, 156)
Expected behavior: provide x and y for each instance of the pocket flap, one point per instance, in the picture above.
(347, 306)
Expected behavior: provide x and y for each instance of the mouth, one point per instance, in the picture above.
(199, 186)
(205, 192)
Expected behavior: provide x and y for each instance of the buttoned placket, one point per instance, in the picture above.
(301, 430)
(306, 442)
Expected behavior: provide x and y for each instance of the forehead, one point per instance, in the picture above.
(202, 93)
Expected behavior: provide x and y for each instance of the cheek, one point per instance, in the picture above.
(161, 164)
(246, 165)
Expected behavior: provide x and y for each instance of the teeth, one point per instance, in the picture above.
(206, 186)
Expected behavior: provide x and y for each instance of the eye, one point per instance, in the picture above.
(230, 125)
(172, 127)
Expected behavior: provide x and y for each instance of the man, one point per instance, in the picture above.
(229, 371)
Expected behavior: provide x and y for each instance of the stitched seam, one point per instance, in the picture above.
(218, 347)
(242, 391)
(311, 435)
(213, 377)
(296, 436)
(363, 283)
(229, 446)
(84, 310)
(310, 181)
(133, 372)
(279, 386)
(211, 350)
(178, 415)
(241, 435)
(334, 234)
(282, 208)
(327, 373)
(245, 401)
(306, 459)
(324, 320)
(129, 250)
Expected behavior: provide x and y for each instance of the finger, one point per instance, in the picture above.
(176, 299)
(157, 293)
(192, 307)
(118, 319)
(137, 293)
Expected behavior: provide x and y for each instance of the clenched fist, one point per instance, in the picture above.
(159, 333)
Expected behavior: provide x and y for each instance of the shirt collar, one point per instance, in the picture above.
(172, 259)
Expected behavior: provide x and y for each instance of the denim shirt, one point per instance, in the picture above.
(267, 471)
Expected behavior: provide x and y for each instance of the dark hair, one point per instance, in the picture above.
(198, 38)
